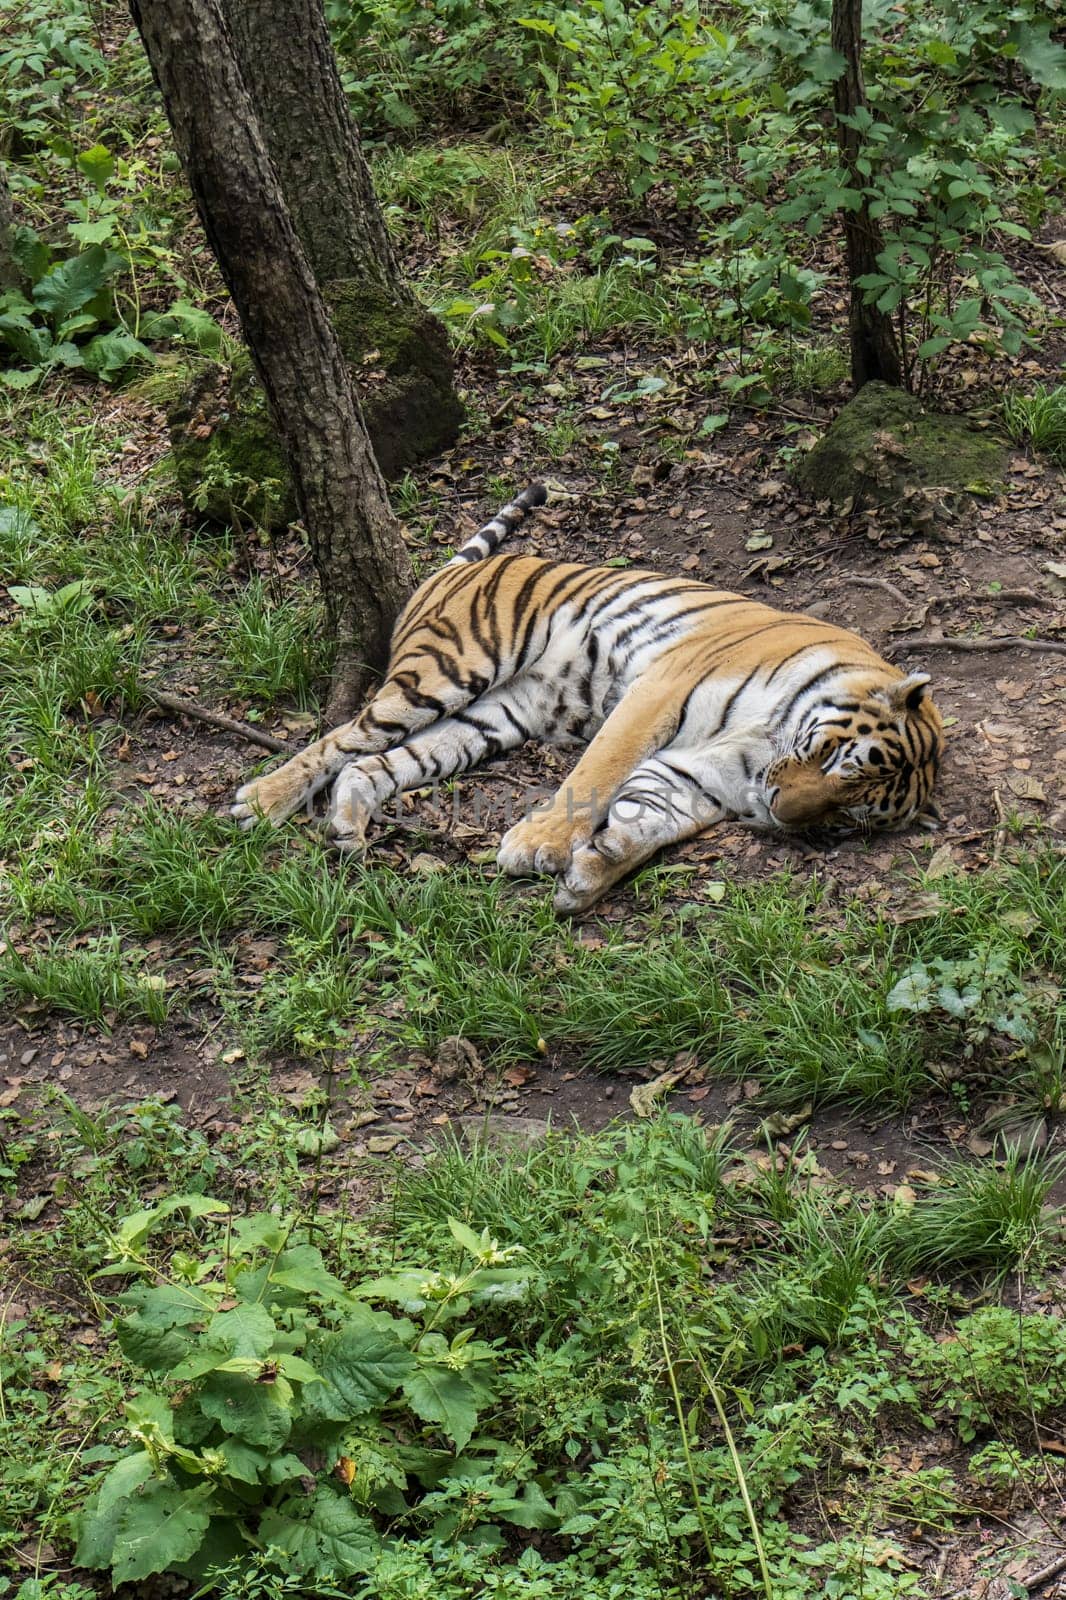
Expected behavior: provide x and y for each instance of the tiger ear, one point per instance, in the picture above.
(908, 693)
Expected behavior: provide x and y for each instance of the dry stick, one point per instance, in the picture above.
(878, 583)
(1045, 1575)
(189, 708)
(1036, 1581)
(1021, 597)
(1000, 641)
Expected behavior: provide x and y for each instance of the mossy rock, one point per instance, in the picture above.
(886, 449)
(226, 453)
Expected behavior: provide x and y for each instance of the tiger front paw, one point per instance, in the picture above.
(538, 844)
(270, 798)
(592, 870)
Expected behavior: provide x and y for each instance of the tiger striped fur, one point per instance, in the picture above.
(695, 705)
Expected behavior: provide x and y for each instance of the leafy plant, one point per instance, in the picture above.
(1039, 420)
(259, 1355)
(982, 993)
(1000, 1368)
(69, 299)
(46, 605)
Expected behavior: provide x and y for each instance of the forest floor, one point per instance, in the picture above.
(101, 1085)
(791, 1109)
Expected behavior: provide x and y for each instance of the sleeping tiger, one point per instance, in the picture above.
(695, 705)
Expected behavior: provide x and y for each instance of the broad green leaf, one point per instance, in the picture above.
(30, 343)
(258, 1231)
(244, 1461)
(66, 354)
(364, 1367)
(247, 1330)
(187, 322)
(259, 1413)
(150, 1347)
(159, 1526)
(16, 522)
(323, 1534)
(148, 1416)
(32, 256)
(1043, 58)
(98, 231)
(530, 1509)
(30, 597)
(99, 1521)
(465, 1236)
(913, 992)
(134, 1229)
(250, 1465)
(98, 164)
(111, 353)
(297, 1370)
(74, 282)
(440, 1394)
(301, 1268)
(167, 1305)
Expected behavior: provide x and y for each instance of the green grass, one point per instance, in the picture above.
(766, 983)
(1039, 420)
(272, 647)
(100, 982)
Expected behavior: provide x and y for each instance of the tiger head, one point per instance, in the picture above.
(867, 761)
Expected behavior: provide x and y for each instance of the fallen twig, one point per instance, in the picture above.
(189, 708)
(1020, 597)
(999, 641)
(1045, 1575)
(1035, 1581)
(877, 583)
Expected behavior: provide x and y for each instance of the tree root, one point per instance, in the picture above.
(999, 641)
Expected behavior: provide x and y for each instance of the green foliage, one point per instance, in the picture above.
(409, 1409)
(982, 1219)
(47, 59)
(983, 993)
(651, 100)
(71, 318)
(1001, 1369)
(258, 1354)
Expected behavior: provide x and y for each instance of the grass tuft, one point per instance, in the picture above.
(1039, 420)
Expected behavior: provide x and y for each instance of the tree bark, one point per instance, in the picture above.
(355, 541)
(874, 352)
(286, 59)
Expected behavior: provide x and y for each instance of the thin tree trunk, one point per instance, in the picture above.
(874, 353)
(10, 276)
(355, 540)
(286, 59)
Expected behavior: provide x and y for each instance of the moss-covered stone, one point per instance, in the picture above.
(226, 453)
(886, 449)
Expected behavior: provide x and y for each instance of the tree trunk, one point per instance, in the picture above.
(286, 59)
(355, 540)
(398, 351)
(10, 275)
(874, 352)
